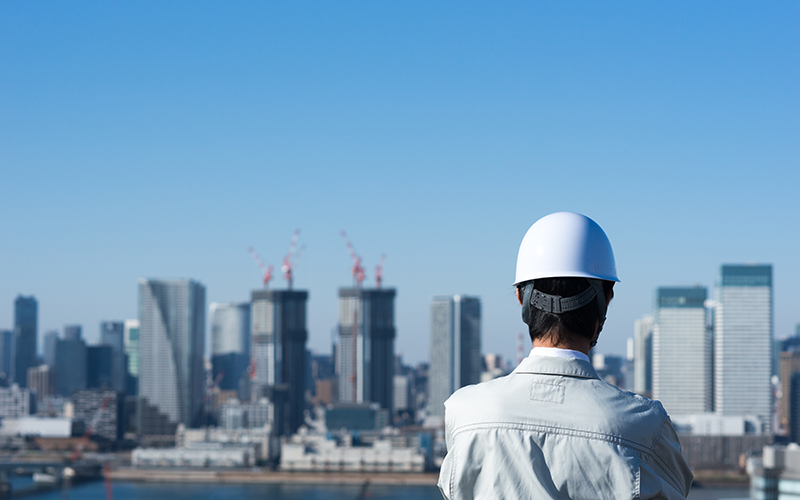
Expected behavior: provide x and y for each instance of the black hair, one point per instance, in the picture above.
(568, 326)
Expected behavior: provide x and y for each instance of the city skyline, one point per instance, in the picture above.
(153, 142)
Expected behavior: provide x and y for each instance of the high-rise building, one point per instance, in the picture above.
(73, 332)
(743, 342)
(71, 363)
(7, 354)
(279, 354)
(112, 334)
(787, 414)
(50, 340)
(643, 356)
(455, 348)
(365, 354)
(100, 367)
(171, 346)
(25, 328)
(41, 379)
(682, 351)
(131, 342)
(230, 351)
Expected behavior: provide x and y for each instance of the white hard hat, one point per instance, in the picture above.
(565, 244)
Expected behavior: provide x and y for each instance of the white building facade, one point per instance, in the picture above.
(682, 351)
(455, 348)
(171, 344)
(643, 355)
(743, 324)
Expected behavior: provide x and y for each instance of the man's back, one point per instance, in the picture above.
(552, 429)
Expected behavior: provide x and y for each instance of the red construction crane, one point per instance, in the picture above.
(379, 271)
(357, 270)
(290, 260)
(264, 269)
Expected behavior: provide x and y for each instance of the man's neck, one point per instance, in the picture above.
(579, 344)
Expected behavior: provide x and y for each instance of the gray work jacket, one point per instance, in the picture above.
(553, 429)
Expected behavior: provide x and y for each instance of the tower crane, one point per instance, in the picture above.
(290, 260)
(264, 269)
(357, 270)
(379, 271)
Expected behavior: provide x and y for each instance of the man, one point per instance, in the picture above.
(552, 428)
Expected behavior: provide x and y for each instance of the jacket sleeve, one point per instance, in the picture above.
(664, 471)
(447, 465)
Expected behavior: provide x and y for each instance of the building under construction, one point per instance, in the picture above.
(279, 354)
(365, 354)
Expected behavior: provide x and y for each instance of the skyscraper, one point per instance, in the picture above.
(7, 354)
(130, 339)
(643, 356)
(112, 334)
(455, 347)
(50, 340)
(172, 338)
(279, 354)
(70, 362)
(787, 410)
(25, 327)
(230, 352)
(365, 354)
(682, 351)
(743, 342)
(100, 367)
(73, 332)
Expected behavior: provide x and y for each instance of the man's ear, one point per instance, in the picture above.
(519, 297)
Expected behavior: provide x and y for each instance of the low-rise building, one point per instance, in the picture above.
(712, 424)
(16, 402)
(36, 426)
(99, 411)
(266, 446)
(204, 454)
(254, 415)
(776, 473)
(317, 453)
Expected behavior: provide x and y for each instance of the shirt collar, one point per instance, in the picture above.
(555, 352)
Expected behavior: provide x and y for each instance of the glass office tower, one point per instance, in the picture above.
(682, 351)
(455, 348)
(171, 345)
(743, 342)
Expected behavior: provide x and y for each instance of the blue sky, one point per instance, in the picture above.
(144, 139)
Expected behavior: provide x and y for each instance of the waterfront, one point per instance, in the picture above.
(163, 491)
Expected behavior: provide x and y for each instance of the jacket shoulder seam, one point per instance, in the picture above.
(598, 436)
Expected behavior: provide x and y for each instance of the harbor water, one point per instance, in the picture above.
(145, 491)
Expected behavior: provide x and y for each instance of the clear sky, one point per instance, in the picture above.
(160, 139)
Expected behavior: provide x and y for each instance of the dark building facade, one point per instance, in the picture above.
(26, 311)
(112, 334)
(101, 408)
(279, 354)
(6, 355)
(71, 366)
(365, 354)
(99, 367)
